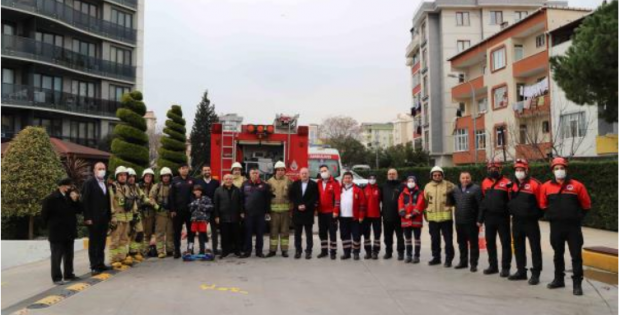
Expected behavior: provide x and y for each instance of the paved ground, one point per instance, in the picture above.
(287, 286)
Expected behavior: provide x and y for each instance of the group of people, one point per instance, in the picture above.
(237, 212)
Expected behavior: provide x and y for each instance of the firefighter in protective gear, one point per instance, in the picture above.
(438, 214)
(565, 202)
(238, 178)
(147, 212)
(123, 208)
(136, 230)
(280, 210)
(159, 199)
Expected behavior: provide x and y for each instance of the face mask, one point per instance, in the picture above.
(520, 175)
(494, 174)
(372, 181)
(411, 185)
(101, 173)
(325, 175)
(560, 174)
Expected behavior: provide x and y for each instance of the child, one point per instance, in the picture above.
(410, 208)
(200, 209)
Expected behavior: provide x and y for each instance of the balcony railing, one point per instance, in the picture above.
(59, 11)
(43, 98)
(31, 49)
(129, 3)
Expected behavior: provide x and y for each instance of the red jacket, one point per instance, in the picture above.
(411, 202)
(373, 201)
(359, 202)
(329, 197)
(564, 202)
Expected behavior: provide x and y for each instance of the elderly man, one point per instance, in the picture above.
(97, 215)
(390, 192)
(227, 211)
(304, 195)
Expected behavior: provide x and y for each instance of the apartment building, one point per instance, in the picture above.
(403, 130)
(66, 63)
(440, 30)
(503, 96)
(377, 135)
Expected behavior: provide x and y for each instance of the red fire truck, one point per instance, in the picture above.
(260, 146)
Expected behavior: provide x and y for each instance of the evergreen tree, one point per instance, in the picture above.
(172, 152)
(130, 146)
(200, 137)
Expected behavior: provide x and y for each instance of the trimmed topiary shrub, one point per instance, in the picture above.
(130, 147)
(173, 143)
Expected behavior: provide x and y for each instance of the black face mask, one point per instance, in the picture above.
(493, 174)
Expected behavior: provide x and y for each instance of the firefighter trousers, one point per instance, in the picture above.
(148, 224)
(279, 230)
(527, 229)
(137, 236)
(562, 233)
(492, 227)
(373, 246)
(164, 233)
(328, 226)
(119, 240)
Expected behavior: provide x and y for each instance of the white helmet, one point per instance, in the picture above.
(165, 171)
(131, 172)
(436, 169)
(279, 164)
(236, 165)
(119, 170)
(147, 172)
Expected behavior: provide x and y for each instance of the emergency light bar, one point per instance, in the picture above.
(260, 129)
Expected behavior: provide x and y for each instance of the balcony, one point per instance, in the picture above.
(533, 65)
(533, 151)
(412, 47)
(537, 107)
(61, 12)
(25, 95)
(128, 3)
(463, 90)
(23, 47)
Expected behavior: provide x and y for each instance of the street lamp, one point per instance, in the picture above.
(473, 101)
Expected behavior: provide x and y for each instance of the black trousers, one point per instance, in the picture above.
(375, 225)
(298, 232)
(562, 233)
(177, 224)
(328, 226)
(215, 229)
(492, 227)
(417, 233)
(231, 237)
(202, 241)
(254, 224)
(62, 252)
(350, 235)
(437, 230)
(467, 238)
(392, 228)
(529, 229)
(97, 234)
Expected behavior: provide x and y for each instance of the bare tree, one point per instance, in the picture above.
(339, 127)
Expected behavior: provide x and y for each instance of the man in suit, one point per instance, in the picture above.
(304, 196)
(97, 215)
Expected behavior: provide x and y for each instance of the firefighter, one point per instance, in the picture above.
(329, 204)
(524, 208)
(136, 228)
(411, 208)
(467, 198)
(159, 197)
(496, 218)
(123, 208)
(147, 212)
(180, 197)
(238, 178)
(390, 192)
(373, 218)
(565, 202)
(438, 213)
(280, 212)
(351, 214)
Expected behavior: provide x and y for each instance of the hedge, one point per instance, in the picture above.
(130, 147)
(599, 177)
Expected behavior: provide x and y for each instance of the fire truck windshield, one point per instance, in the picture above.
(313, 166)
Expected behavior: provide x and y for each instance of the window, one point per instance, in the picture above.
(83, 89)
(423, 31)
(122, 56)
(53, 127)
(121, 18)
(520, 15)
(500, 136)
(481, 140)
(500, 97)
(462, 108)
(461, 140)
(522, 134)
(462, 18)
(8, 125)
(85, 8)
(416, 58)
(8, 76)
(425, 86)
(83, 132)
(415, 80)
(116, 92)
(499, 59)
(8, 29)
(462, 45)
(573, 125)
(49, 38)
(519, 96)
(540, 40)
(518, 52)
(84, 48)
(545, 126)
(482, 105)
(47, 82)
(497, 17)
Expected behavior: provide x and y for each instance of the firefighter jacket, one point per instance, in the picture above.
(438, 207)
(122, 202)
(524, 200)
(565, 202)
(280, 190)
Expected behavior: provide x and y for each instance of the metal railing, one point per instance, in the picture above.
(44, 98)
(59, 11)
(129, 3)
(31, 49)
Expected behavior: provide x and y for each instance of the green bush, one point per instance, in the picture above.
(130, 147)
(173, 143)
(599, 177)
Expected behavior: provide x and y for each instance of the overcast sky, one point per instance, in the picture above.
(316, 58)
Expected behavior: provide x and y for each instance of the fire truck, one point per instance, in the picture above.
(260, 146)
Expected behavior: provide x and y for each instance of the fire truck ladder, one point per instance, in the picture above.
(228, 152)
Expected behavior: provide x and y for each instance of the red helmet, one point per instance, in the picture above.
(494, 163)
(559, 161)
(521, 163)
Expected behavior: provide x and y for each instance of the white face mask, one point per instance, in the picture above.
(520, 175)
(559, 174)
(325, 175)
(101, 173)
(411, 185)
(372, 181)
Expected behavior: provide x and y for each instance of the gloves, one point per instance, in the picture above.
(401, 213)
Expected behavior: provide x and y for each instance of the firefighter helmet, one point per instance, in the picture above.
(119, 170)
(148, 171)
(494, 163)
(236, 165)
(522, 163)
(131, 172)
(165, 171)
(559, 161)
(437, 169)
(279, 164)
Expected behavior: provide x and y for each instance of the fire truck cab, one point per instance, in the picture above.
(260, 146)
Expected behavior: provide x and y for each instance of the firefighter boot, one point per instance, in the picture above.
(534, 278)
(138, 257)
(161, 255)
(577, 290)
(558, 282)
(332, 255)
(117, 265)
(128, 261)
(347, 254)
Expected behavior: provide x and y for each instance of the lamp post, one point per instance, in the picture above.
(473, 100)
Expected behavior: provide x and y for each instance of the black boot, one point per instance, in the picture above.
(297, 255)
(284, 254)
(332, 255)
(388, 255)
(447, 264)
(434, 261)
(322, 254)
(346, 255)
(556, 283)
(356, 256)
(375, 255)
(416, 259)
(271, 254)
(577, 290)
(519, 275)
(409, 259)
(491, 270)
(505, 273)
(473, 268)
(308, 255)
(461, 265)
(368, 255)
(534, 278)
(401, 256)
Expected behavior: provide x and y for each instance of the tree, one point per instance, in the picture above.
(154, 135)
(200, 137)
(339, 127)
(30, 171)
(588, 73)
(173, 144)
(351, 150)
(130, 146)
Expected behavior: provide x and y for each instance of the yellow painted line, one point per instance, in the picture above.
(23, 311)
(600, 261)
(49, 300)
(102, 276)
(78, 287)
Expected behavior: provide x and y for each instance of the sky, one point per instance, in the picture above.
(257, 58)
